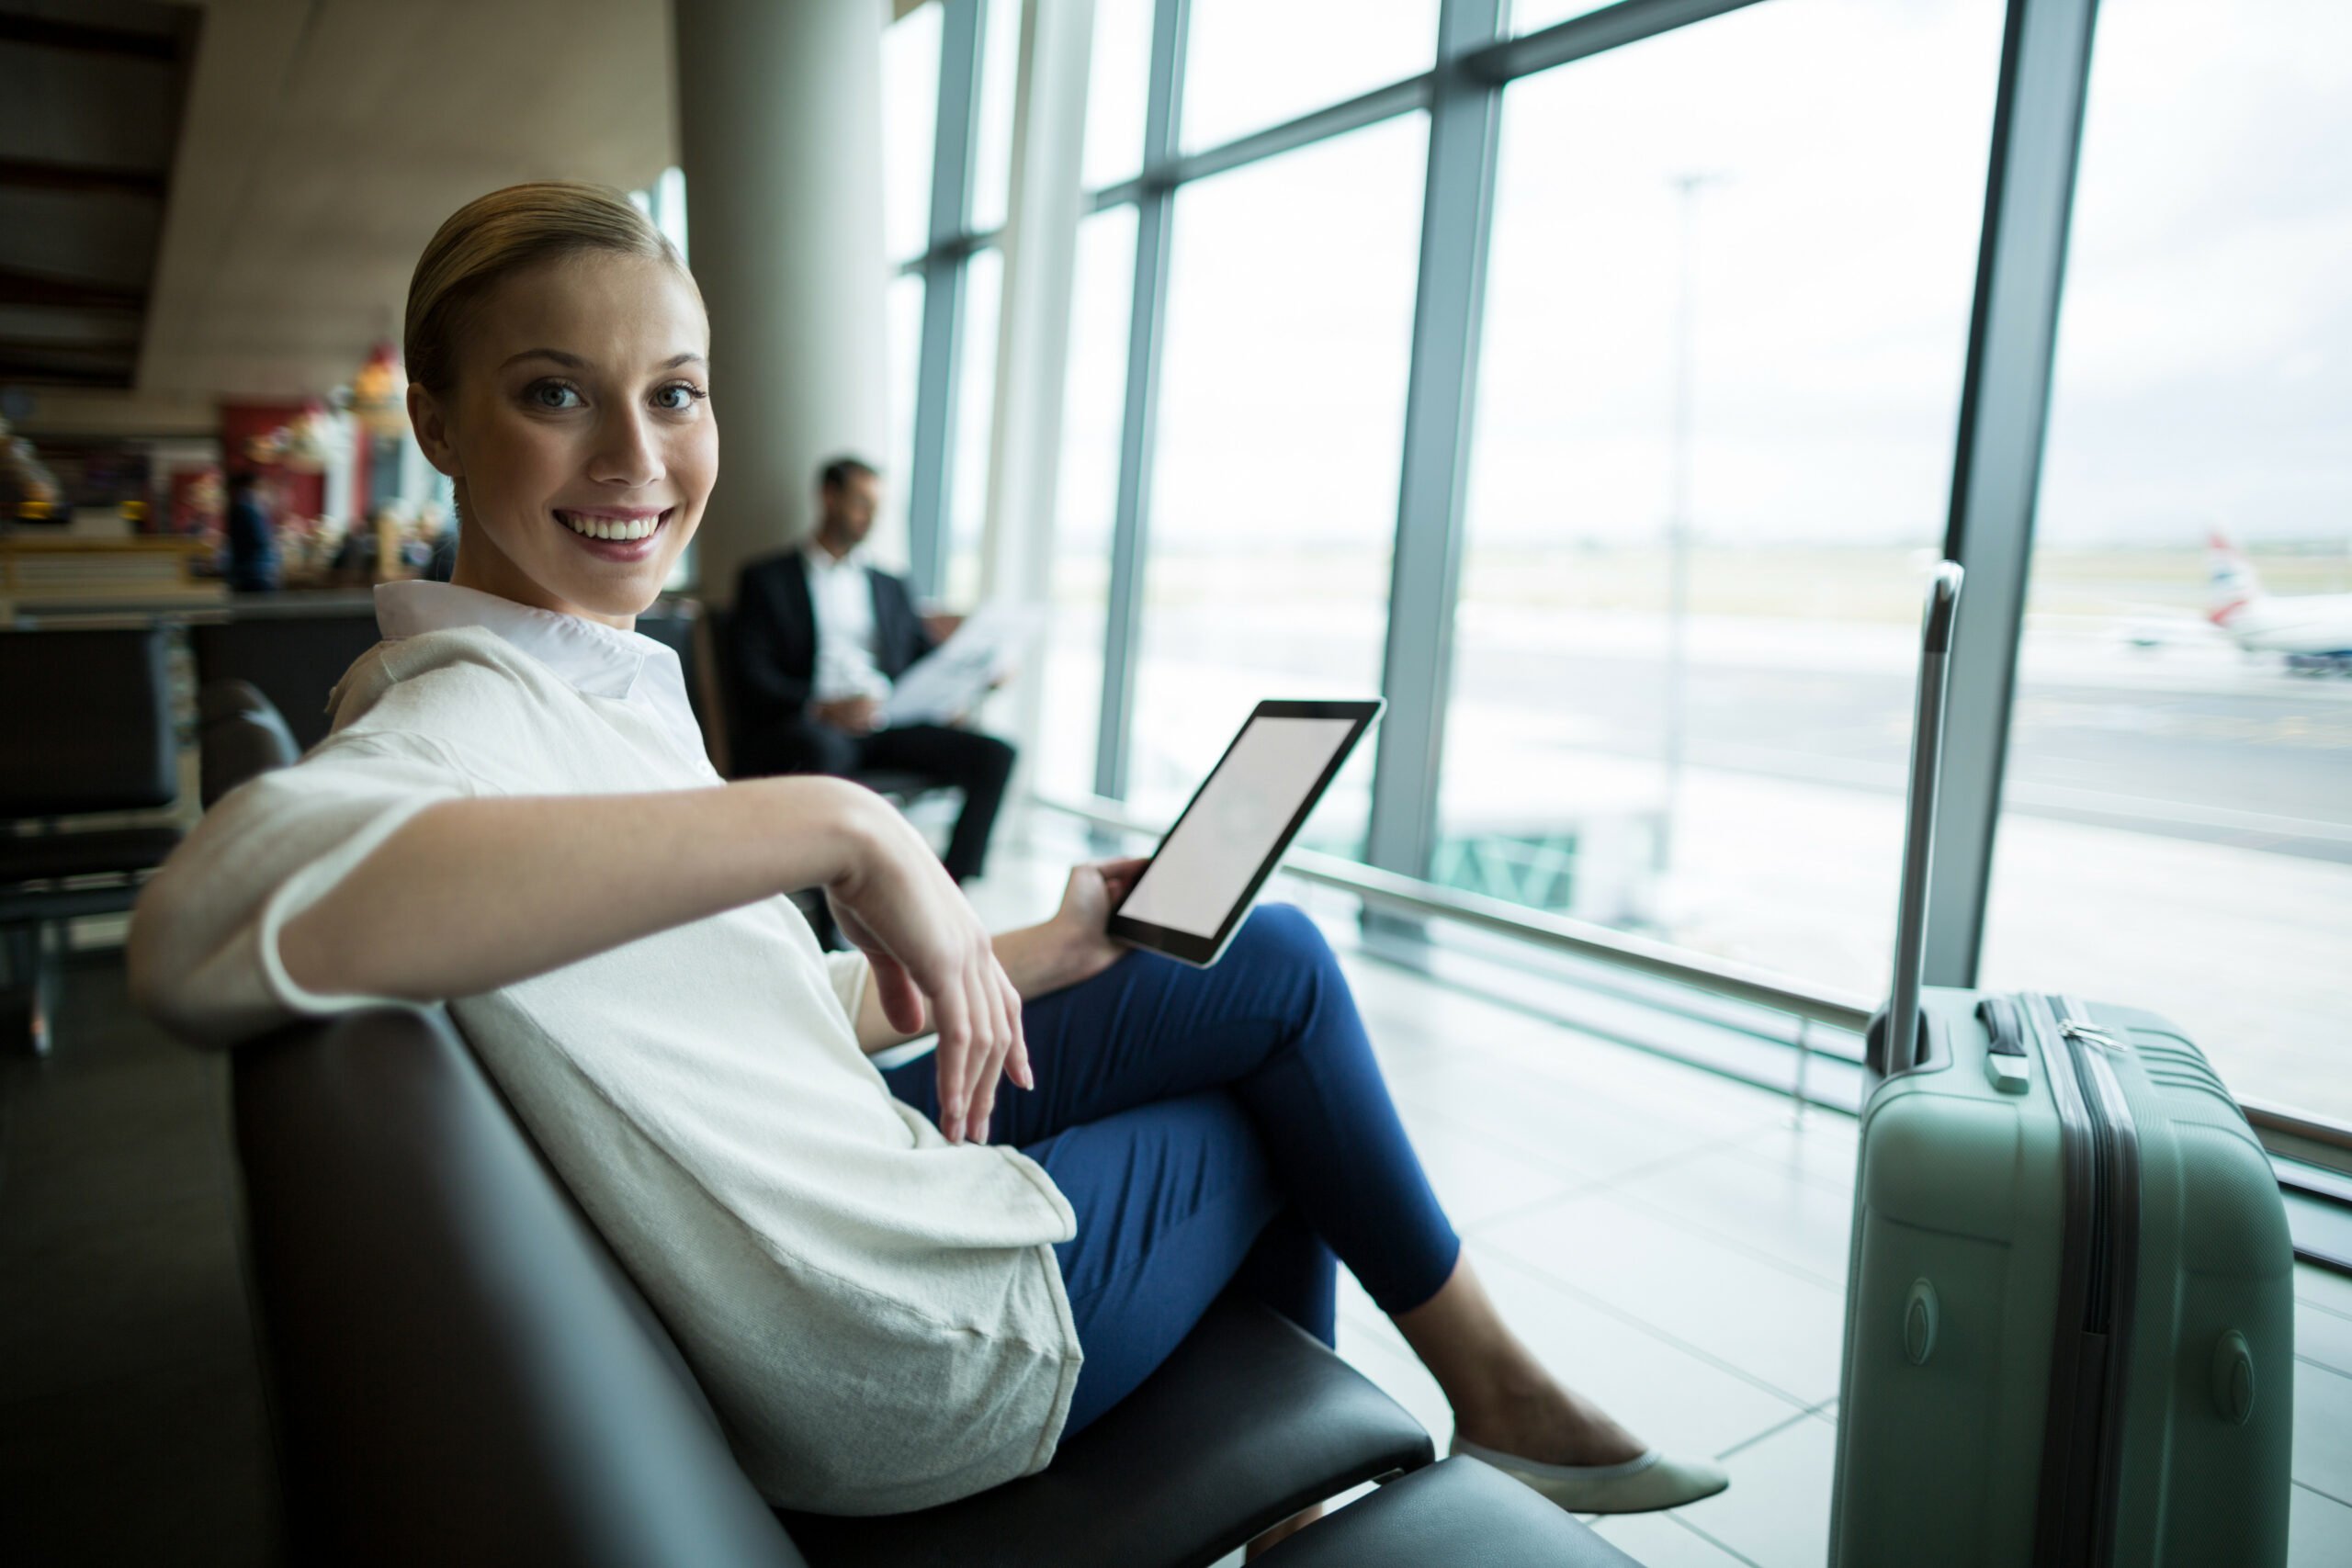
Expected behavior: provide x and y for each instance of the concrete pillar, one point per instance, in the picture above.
(780, 135)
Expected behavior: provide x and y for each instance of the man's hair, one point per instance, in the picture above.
(837, 474)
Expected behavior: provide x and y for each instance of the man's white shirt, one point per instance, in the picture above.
(843, 597)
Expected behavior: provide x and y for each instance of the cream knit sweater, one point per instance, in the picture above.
(877, 1313)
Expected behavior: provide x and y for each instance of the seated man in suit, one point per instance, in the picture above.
(820, 636)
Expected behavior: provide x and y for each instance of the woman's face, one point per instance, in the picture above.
(580, 434)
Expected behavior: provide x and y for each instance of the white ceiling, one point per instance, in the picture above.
(325, 140)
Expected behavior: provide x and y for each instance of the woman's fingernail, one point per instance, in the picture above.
(984, 1132)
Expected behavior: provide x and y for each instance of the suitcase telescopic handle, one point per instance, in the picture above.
(1901, 1048)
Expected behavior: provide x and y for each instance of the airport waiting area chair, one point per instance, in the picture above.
(89, 717)
(462, 1373)
(293, 659)
(239, 733)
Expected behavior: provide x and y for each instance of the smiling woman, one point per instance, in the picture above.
(560, 357)
(892, 1307)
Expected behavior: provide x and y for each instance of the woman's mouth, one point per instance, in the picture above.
(615, 536)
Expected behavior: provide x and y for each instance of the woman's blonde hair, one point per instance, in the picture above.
(494, 236)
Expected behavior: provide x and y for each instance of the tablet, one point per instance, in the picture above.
(1200, 882)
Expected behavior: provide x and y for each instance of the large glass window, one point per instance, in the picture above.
(1281, 423)
(1088, 488)
(967, 491)
(992, 143)
(1530, 15)
(909, 123)
(2177, 827)
(1115, 91)
(903, 309)
(1726, 320)
(1248, 65)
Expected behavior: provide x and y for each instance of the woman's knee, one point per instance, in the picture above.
(1283, 931)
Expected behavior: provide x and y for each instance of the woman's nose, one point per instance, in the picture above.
(626, 450)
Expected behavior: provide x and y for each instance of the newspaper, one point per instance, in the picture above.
(950, 680)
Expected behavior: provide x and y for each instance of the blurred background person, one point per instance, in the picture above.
(820, 637)
(253, 546)
(355, 557)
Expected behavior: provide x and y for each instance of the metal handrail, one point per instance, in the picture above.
(2267, 1118)
(1391, 890)
(1740, 982)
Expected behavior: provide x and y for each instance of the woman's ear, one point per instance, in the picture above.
(432, 427)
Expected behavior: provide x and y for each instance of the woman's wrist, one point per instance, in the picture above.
(1074, 957)
(1081, 951)
(1043, 958)
(823, 832)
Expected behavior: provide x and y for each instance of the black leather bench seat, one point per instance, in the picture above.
(463, 1374)
(1459, 1511)
(1248, 1406)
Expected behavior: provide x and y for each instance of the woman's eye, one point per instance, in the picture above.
(553, 395)
(677, 397)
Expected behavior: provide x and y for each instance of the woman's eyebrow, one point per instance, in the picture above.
(573, 361)
(570, 361)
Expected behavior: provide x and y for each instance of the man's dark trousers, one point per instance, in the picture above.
(975, 763)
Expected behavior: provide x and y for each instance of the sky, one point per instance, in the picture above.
(1825, 261)
(2205, 345)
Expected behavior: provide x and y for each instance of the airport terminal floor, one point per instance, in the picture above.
(1673, 1242)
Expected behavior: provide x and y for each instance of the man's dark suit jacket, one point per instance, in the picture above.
(774, 636)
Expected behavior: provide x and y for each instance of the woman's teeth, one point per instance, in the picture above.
(610, 527)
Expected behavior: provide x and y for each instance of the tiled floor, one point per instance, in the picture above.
(1672, 1242)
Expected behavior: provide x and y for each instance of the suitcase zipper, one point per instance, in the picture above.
(2098, 1301)
(2091, 1431)
(2089, 1034)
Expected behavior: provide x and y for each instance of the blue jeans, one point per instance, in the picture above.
(1213, 1127)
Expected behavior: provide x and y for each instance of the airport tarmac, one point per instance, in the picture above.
(2195, 741)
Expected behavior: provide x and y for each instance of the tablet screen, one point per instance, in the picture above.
(1208, 862)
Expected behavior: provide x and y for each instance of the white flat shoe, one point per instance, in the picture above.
(1639, 1485)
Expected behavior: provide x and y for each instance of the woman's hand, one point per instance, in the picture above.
(925, 943)
(1094, 890)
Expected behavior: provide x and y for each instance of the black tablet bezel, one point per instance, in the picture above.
(1202, 951)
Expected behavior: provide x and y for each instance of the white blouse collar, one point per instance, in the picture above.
(598, 660)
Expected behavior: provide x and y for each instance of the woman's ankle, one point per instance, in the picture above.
(1556, 1427)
